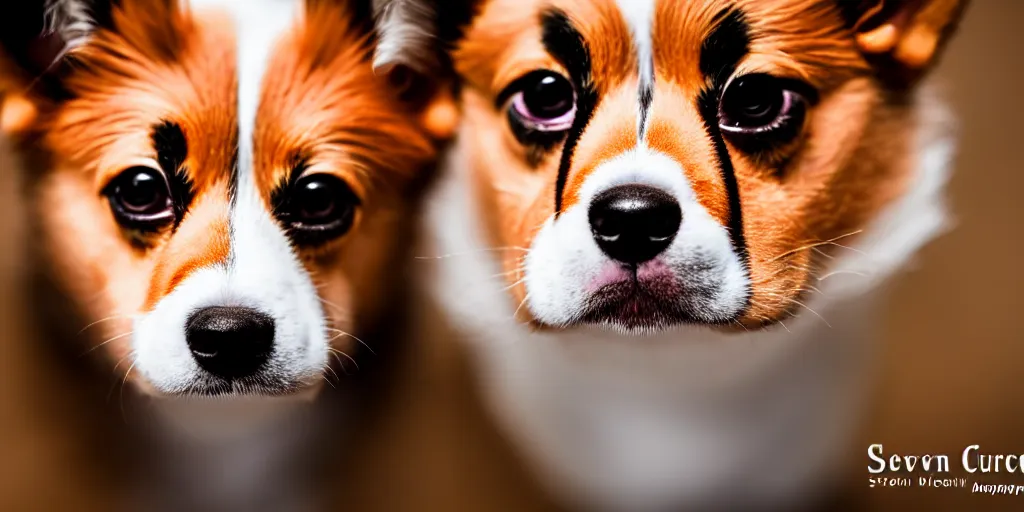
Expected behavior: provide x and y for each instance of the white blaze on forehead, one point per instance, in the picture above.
(259, 24)
(639, 15)
(263, 271)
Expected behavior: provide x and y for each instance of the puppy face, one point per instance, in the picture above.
(225, 182)
(665, 162)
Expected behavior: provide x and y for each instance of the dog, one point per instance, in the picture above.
(664, 227)
(222, 189)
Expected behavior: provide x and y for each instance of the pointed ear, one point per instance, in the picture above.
(36, 35)
(904, 38)
(413, 40)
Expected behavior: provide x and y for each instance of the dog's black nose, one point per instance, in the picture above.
(230, 342)
(634, 223)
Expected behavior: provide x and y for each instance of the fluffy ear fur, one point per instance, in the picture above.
(413, 39)
(35, 36)
(903, 37)
(406, 35)
(417, 34)
(72, 21)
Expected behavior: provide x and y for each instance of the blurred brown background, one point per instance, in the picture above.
(951, 367)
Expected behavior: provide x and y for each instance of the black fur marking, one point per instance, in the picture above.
(721, 52)
(725, 47)
(171, 152)
(233, 178)
(646, 99)
(566, 44)
(279, 197)
(707, 103)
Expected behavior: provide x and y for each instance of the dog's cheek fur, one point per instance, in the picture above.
(358, 276)
(86, 253)
(344, 119)
(848, 164)
(146, 68)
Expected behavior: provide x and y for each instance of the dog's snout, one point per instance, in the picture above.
(634, 223)
(230, 342)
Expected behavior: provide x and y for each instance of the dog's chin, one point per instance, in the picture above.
(249, 389)
(639, 307)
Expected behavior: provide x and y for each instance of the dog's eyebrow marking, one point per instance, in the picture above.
(299, 164)
(566, 44)
(170, 145)
(721, 52)
(725, 46)
(171, 151)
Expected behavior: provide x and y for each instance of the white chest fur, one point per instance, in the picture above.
(681, 418)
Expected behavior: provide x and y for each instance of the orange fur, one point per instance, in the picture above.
(321, 101)
(203, 240)
(852, 158)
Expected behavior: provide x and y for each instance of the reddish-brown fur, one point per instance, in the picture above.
(852, 159)
(159, 62)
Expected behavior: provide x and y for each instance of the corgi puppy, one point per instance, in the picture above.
(662, 225)
(222, 187)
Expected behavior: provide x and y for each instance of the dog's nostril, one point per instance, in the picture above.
(634, 223)
(230, 342)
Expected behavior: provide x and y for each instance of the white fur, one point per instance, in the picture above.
(242, 444)
(639, 16)
(72, 20)
(406, 31)
(688, 417)
(262, 272)
(564, 256)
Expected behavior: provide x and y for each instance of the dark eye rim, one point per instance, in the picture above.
(523, 131)
(316, 234)
(784, 128)
(135, 220)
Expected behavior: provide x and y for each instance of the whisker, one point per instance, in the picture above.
(115, 338)
(336, 377)
(783, 324)
(521, 304)
(350, 335)
(124, 416)
(107, 319)
(822, 253)
(336, 308)
(737, 322)
(848, 248)
(517, 270)
(513, 285)
(338, 352)
(808, 308)
(813, 245)
(839, 272)
(113, 385)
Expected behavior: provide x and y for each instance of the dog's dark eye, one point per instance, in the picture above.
(140, 198)
(761, 104)
(319, 207)
(543, 107)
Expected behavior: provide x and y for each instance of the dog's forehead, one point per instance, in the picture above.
(259, 25)
(664, 33)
